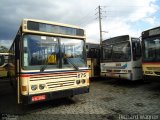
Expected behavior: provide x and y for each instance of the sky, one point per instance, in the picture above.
(119, 17)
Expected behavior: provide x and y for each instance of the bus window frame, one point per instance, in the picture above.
(136, 50)
(60, 64)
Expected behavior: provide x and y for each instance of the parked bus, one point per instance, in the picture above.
(93, 59)
(151, 52)
(48, 61)
(121, 58)
(3, 64)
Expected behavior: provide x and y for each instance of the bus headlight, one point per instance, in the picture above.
(148, 72)
(83, 81)
(34, 87)
(125, 71)
(78, 81)
(41, 86)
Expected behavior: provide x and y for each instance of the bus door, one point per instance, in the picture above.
(93, 61)
(137, 59)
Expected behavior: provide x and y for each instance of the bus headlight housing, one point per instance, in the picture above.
(34, 87)
(78, 82)
(41, 86)
(148, 72)
(83, 81)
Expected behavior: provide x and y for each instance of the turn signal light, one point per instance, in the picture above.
(24, 88)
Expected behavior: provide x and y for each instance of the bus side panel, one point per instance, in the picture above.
(137, 70)
(90, 66)
(93, 65)
(116, 70)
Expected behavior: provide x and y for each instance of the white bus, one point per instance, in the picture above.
(121, 58)
(48, 61)
(3, 64)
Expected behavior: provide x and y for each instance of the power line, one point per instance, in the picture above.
(86, 20)
(89, 17)
(86, 16)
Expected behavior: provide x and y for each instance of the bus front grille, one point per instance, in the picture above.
(157, 73)
(117, 71)
(52, 77)
(153, 68)
(57, 84)
(108, 70)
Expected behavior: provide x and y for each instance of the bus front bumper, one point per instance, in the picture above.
(53, 95)
(127, 76)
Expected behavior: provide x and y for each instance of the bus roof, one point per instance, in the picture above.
(52, 23)
(151, 32)
(116, 39)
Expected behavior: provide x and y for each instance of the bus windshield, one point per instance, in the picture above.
(151, 48)
(53, 52)
(117, 52)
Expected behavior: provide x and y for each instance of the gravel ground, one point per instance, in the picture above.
(108, 99)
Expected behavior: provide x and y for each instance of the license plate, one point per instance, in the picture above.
(38, 98)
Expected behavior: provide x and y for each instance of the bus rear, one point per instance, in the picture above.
(151, 52)
(121, 58)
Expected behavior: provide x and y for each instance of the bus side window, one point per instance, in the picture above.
(91, 53)
(87, 47)
(136, 48)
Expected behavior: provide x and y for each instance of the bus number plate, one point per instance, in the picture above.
(38, 98)
(118, 64)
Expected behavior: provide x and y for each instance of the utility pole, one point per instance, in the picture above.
(100, 25)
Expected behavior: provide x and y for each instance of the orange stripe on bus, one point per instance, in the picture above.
(149, 63)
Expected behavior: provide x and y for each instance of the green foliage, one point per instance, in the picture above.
(3, 49)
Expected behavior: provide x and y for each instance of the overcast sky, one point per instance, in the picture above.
(119, 16)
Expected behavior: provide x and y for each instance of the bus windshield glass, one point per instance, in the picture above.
(117, 52)
(53, 52)
(73, 52)
(151, 48)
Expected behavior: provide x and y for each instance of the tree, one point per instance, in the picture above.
(3, 49)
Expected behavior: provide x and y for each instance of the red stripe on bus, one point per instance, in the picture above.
(54, 74)
(24, 75)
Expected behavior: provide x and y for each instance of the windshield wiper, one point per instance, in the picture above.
(73, 64)
(43, 67)
(68, 59)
